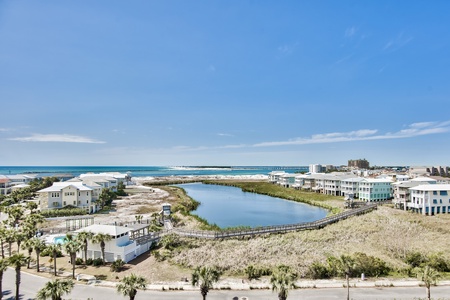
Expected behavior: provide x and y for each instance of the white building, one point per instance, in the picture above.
(315, 168)
(430, 199)
(350, 187)
(287, 180)
(68, 193)
(274, 176)
(371, 190)
(119, 247)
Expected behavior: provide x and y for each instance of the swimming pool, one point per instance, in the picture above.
(59, 239)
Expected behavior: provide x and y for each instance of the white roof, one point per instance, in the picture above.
(374, 180)
(112, 230)
(58, 186)
(432, 187)
(426, 179)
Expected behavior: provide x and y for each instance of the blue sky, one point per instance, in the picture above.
(224, 82)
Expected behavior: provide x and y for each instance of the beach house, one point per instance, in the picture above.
(430, 199)
(68, 193)
(119, 247)
(374, 190)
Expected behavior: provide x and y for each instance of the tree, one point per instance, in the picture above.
(3, 266)
(346, 265)
(38, 246)
(54, 250)
(129, 285)
(19, 237)
(205, 277)
(17, 261)
(15, 214)
(283, 279)
(428, 276)
(2, 239)
(55, 289)
(83, 237)
(101, 238)
(28, 245)
(10, 237)
(72, 246)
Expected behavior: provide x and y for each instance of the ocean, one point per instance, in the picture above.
(153, 171)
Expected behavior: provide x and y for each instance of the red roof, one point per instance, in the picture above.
(4, 180)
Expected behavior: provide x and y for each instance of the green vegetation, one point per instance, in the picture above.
(63, 212)
(205, 277)
(351, 265)
(282, 280)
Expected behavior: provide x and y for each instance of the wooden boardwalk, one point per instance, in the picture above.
(155, 236)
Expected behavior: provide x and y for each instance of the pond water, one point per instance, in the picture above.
(229, 207)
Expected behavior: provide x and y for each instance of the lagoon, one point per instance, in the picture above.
(228, 206)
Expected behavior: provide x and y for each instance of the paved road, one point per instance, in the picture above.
(31, 284)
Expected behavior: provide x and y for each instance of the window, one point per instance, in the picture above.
(443, 193)
(434, 201)
(434, 192)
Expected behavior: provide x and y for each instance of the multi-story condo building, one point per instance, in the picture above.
(350, 187)
(274, 176)
(77, 194)
(5, 186)
(371, 190)
(287, 180)
(430, 199)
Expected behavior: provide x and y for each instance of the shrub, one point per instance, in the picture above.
(255, 272)
(117, 265)
(79, 261)
(97, 262)
(89, 261)
(317, 270)
(47, 252)
(415, 259)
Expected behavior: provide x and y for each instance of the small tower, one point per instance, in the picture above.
(166, 210)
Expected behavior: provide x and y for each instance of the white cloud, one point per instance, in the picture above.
(4, 129)
(412, 130)
(397, 42)
(287, 49)
(349, 32)
(224, 134)
(59, 138)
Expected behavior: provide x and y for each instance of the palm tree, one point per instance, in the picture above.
(28, 245)
(205, 277)
(129, 285)
(72, 246)
(2, 239)
(19, 237)
(346, 266)
(38, 246)
(17, 261)
(10, 238)
(55, 289)
(101, 238)
(83, 237)
(3, 266)
(429, 276)
(54, 250)
(283, 279)
(15, 214)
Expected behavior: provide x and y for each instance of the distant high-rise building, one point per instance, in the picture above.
(316, 168)
(358, 163)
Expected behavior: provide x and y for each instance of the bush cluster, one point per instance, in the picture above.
(62, 212)
(255, 272)
(354, 265)
(436, 261)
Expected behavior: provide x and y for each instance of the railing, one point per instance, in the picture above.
(260, 230)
